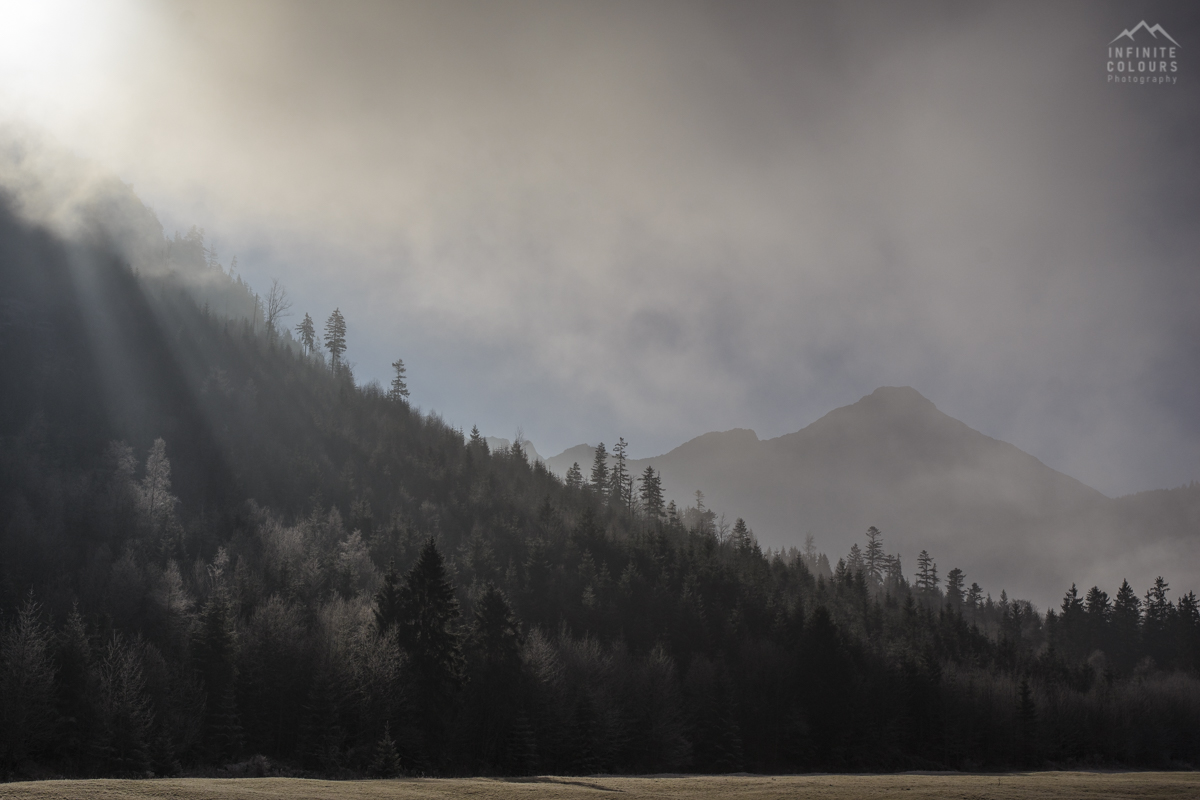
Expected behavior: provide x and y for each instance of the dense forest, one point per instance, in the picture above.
(221, 555)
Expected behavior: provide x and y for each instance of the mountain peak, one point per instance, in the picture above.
(897, 396)
(887, 405)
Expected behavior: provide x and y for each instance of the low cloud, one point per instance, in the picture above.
(653, 221)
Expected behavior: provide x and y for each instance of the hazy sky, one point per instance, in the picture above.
(653, 220)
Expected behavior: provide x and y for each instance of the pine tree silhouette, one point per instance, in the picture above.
(386, 763)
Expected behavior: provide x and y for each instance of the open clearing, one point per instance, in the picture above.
(1087, 785)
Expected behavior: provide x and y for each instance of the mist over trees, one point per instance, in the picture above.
(218, 553)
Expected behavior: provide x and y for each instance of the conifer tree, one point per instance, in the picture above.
(123, 712)
(495, 685)
(517, 449)
(429, 635)
(1157, 618)
(618, 490)
(743, 540)
(927, 580)
(322, 735)
(954, 587)
(1126, 625)
(1098, 613)
(497, 632)
(1157, 607)
(1187, 631)
(399, 388)
(335, 339)
(651, 494)
(600, 471)
(854, 562)
(388, 600)
(386, 763)
(1068, 628)
(873, 559)
(1026, 724)
(574, 476)
(715, 733)
(827, 680)
(974, 600)
(583, 738)
(74, 678)
(308, 335)
(27, 677)
(216, 656)
(810, 552)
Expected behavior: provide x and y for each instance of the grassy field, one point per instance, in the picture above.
(1075, 785)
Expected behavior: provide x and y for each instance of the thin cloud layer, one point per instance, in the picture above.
(658, 220)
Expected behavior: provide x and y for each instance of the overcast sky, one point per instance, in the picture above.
(653, 220)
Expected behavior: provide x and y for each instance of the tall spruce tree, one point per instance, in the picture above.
(429, 634)
(399, 387)
(74, 675)
(927, 579)
(386, 763)
(497, 631)
(123, 712)
(1158, 615)
(600, 471)
(27, 683)
(954, 587)
(216, 658)
(652, 494)
(308, 335)
(1126, 626)
(742, 539)
(874, 559)
(854, 561)
(335, 339)
(477, 442)
(618, 490)
(1098, 614)
(574, 476)
(495, 686)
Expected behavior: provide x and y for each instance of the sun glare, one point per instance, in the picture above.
(55, 55)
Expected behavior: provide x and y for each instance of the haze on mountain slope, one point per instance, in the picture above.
(891, 460)
(930, 482)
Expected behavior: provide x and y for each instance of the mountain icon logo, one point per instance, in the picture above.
(1153, 30)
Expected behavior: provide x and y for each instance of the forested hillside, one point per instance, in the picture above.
(217, 552)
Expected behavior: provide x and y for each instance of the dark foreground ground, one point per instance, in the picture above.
(1086, 785)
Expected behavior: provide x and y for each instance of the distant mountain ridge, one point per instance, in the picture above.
(929, 481)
